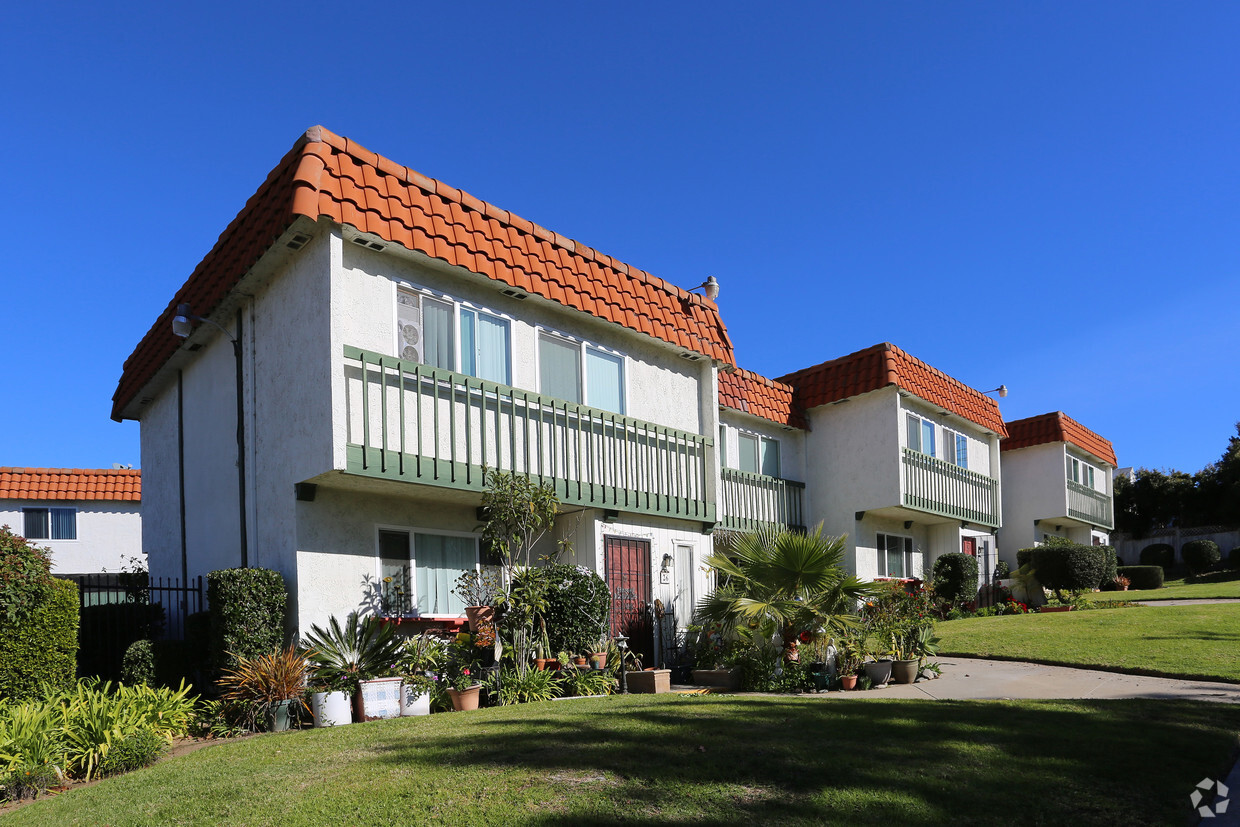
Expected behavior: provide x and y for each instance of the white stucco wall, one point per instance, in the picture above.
(161, 533)
(109, 533)
(1035, 489)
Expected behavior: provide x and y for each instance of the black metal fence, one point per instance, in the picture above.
(118, 609)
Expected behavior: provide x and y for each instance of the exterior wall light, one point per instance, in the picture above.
(1001, 390)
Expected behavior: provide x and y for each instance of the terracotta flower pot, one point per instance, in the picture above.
(479, 614)
(848, 681)
(464, 700)
(579, 660)
(598, 660)
(540, 664)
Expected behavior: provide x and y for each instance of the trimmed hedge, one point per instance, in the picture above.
(578, 601)
(1200, 555)
(1068, 566)
(247, 614)
(1143, 577)
(1110, 567)
(955, 576)
(1158, 554)
(42, 649)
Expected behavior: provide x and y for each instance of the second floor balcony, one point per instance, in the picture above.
(748, 502)
(1090, 506)
(411, 422)
(933, 485)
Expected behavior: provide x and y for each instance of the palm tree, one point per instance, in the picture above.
(781, 580)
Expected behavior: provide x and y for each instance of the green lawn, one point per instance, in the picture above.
(680, 760)
(1176, 641)
(1221, 584)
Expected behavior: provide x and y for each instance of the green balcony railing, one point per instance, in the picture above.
(1084, 503)
(407, 421)
(748, 502)
(932, 485)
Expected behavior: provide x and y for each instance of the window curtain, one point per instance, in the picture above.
(34, 523)
(770, 457)
(438, 562)
(748, 447)
(437, 332)
(492, 349)
(64, 524)
(559, 369)
(604, 381)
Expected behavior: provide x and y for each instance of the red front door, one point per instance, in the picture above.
(627, 562)
(969, 546)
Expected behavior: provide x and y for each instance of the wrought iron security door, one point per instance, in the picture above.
(627, 562)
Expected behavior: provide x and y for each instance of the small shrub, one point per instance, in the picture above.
(1142, 577)
(1002, 570)
(1158, 554)
(135, 751)
(42, 648)
(1110, 564)
(1068, 567)
(1200, 555)
(247, 614)
(955, 577)
(139, 663)
(578, 601)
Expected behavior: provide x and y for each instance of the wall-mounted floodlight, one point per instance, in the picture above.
(1001, 390)
(183, 323)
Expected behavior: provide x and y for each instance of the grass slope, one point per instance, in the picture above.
(679, 760)
(1175, 641)
(1219, 585)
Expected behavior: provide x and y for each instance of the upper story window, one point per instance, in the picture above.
(955, 448)
(920, 435)
(757, 454)
(433, 330)
(1080, 472)
(580, 373)
(49, 523)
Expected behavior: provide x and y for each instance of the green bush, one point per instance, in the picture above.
(1200, 555)
(1158, 554)
(109, 629)
(134, 751)
(577, 605)
(1023, 557)
(25, 572)
(1110, 566)
(1143, 577)
(247, 614)
(1069, 567)
(139, 663)
(955, 577)
(41, 648)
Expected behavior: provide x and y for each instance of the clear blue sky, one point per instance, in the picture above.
(1041, 195)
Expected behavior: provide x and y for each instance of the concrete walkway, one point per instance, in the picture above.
(977, 679)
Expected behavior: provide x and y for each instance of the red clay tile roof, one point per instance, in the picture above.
(1056, 426)
(746, 391)
(885, 364)
(327, 175)
(71, 484)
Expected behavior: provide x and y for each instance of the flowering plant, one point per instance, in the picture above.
(462, 680)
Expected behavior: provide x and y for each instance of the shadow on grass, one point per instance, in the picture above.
(685, 760)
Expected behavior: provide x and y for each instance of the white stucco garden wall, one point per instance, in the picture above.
(109, 533)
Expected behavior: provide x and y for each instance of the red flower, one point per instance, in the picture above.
(806, 637)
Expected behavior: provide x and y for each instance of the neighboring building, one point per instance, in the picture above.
(1058, 481)
(396, 336)
(91, 519)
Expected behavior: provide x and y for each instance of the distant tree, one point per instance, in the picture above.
(1157, 499)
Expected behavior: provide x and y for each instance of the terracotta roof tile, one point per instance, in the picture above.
(1057, 427)
(746, 391)
(71, 484)
(325, 175)
(885, 364)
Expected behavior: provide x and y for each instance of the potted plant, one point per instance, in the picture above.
(904, 651)
(361, 650)
(268, 686)
(878, 663)
(462, 672)
(420, 657)
(847, 662)
(479, 591)
(331, 700)
(598, 658)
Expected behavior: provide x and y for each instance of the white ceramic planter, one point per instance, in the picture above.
(411, 704)
(331, 708)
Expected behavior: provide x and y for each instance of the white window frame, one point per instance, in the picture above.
(953, 443)
(759, 441)
(909, 552)
(1081, 472)
(924, 425)
(584, 346)
(48, 509)
(458, 305)
(411, 531)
